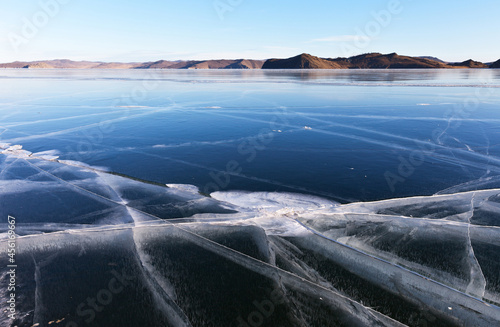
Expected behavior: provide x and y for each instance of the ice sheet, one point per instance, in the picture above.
(226, 259)
(108, 233)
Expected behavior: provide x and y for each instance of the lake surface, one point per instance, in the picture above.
(349, 135)
(249, 198)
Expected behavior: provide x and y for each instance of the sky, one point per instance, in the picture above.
(146, 30)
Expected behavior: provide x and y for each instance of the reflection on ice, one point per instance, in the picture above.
(95, 248)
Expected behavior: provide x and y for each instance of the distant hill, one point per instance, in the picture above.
(393, 60)
(68, 64)
(302, 61)
(496, 64)
(469, 64)
(433, 58)
(161, 64)
(114, 65)
(246, 64)
(364, 61)
(205, 64)
(38, 65)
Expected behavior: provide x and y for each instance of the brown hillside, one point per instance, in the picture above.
(246, 64)
(364, 61)
(116, 65)
(393, 60)
(15, 64)
(65, 63)
(303, 61)
(160, 64)
(38, 65)
(227, 64)
(469, 64)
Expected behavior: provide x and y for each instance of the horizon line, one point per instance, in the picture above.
(240, 58)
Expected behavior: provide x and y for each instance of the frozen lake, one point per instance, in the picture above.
(250, 198)
(345, 135)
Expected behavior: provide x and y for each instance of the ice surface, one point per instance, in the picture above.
(174, 257)
(107, 234)
(45, 191)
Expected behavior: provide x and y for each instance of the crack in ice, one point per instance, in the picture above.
(477, 284)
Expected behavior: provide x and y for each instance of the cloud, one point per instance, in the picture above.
(342, 38)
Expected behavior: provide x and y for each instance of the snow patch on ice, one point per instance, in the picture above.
(82, 165)
(280, 203)
(50, 155)
(185, 188)
(4, 146)
(16, 150)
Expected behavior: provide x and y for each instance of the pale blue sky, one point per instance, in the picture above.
(146, 30)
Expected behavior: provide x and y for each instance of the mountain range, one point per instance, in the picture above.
(369, 61)
(161, 64)
(302, 61)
